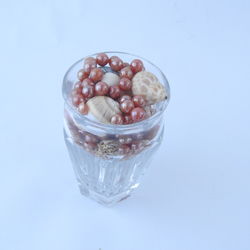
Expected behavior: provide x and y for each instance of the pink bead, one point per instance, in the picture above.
(124, 150)
(139, 101)
(125, 97)
(78, 88)
(82, 74)
(125, 64)
(102, 59)
(126, 106)
(125, 84)
(117, 119)
(83, 108)
(89, 146)
(127, 119)
(101, 88)
(88, 91)
(115, 63)
(114, 92)
(77, 99)
(138, 114)
(136, 65)
(90, 138)
(96, 74)
(89, 64)
(86, 82)
(127, 73)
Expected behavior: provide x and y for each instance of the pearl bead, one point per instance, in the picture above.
(114, 92)
(115, 63)
(123, 150)
(102, 59)
(127, 119)
(126, 72)
(88, 91)
(89, 64)
(124, 97)
(125, 64)
(78, 88)
(96, 74)
(125, 84)
(101, 88)
(83, 108)
(77, 99)
(138, 114)
(90, 138)
(136, 65)
(126, 106)
(82, 74)
(87, 82)
(117, 119)
(139, 101)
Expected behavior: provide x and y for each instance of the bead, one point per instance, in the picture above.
(102, 59)
(126, 72)
(96, 74)
(138, 114)
(89, 146)
(82, 74)
(90, 138)
(83, 108)
(124, 97)
(87, 82)
(78, 88)
(77, 99)
(115, 63)
(125, 140)
(127, 119)
(88, 91)
(117, 119)
(114, 92)
(139, 101)
(123, 150)
(101, 88)
(89, 64)
(136, 65)
(126, 106)
(125, 84)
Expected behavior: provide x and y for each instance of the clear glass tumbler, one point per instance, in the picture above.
(109, 160)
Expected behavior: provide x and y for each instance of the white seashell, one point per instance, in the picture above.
(111, 78)
(103, 108)
(147, 85)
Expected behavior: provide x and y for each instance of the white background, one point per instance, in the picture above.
(196, 193)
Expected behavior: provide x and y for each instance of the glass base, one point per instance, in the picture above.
(104, 200)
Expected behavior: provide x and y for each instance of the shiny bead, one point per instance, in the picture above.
(77, 99)
(89, 64)
(125, 64)
(138, 114)
(78, 88)
(126, 106)
(101, 88)
(126, 72)
(139, 101)
(83, 108)
(82, 74)
(127, 119)
(90, 138)
(114, 92)
(102, 59)
(136, 65)
(96, 74)
(117, 119)
(88, 91)
(115, 63)
(124, 97)
(123, 150)
(87, 82)
(89, 146)
(125, 84)
(125, 140)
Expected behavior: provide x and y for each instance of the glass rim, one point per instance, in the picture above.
(116, 126)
